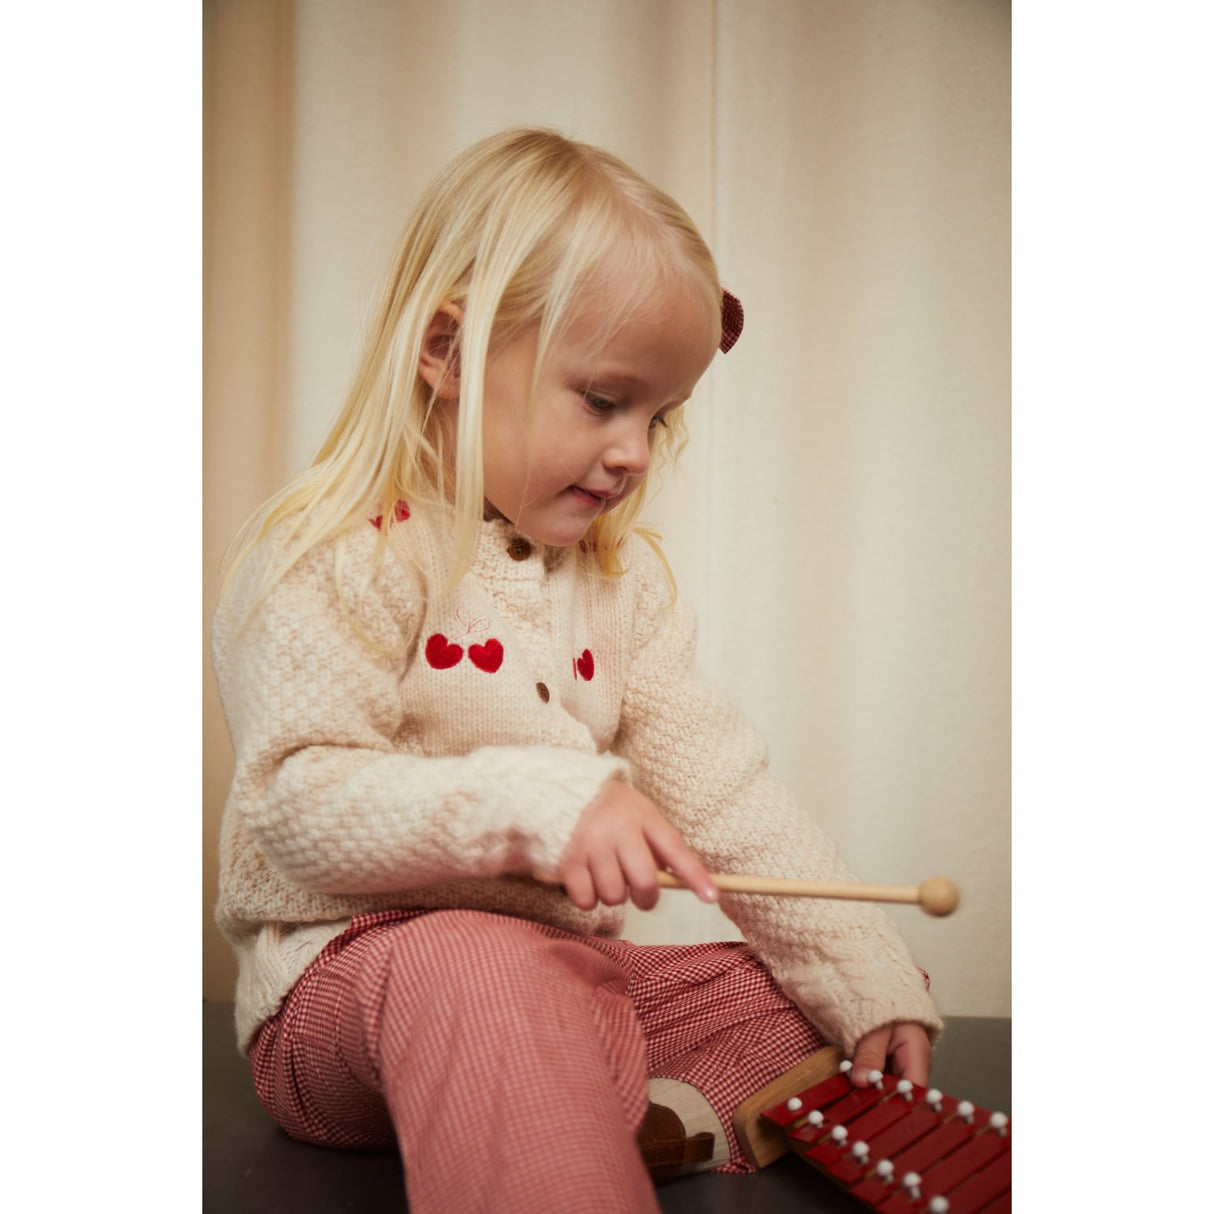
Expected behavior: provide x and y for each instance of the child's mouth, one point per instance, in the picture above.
(588, 497)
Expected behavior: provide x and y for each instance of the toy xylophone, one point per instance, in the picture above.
(896, 1147)
(900, 1148)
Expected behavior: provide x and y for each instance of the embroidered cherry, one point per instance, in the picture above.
(441, 653)
(400, 512)
(584, 665)
(486, 657)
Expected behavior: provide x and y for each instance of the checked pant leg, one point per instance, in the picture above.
(506, 1056)
(714, 1018)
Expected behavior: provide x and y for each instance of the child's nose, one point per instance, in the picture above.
(630, 450)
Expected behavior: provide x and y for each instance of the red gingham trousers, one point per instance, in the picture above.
(509, 1060)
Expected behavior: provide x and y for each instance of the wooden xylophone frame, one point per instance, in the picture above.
(951, 1146)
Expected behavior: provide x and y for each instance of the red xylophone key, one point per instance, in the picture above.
(947, 1150)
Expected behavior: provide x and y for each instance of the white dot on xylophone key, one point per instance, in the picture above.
(911, 1182)
(938, 1205)
(875, 1077)
(815, 1119)
(844, 1066)
(860, 1151)
(839, 1134)
(999, 1123)
(905, 1088)
(795, 1104)
(965, 1110)
(936, 1099)
(885, 1170)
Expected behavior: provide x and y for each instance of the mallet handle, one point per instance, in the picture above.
(936, 895)
(856, 891)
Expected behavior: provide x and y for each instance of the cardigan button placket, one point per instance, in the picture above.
(519, 548)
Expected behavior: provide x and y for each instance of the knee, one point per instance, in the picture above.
(504, 1004)
(476, 961)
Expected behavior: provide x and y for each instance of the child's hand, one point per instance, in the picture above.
(617, 848)
(896, 1049)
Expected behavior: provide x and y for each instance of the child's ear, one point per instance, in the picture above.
(439, 362)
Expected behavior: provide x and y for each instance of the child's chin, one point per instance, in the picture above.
(567, 539)
(557, 535)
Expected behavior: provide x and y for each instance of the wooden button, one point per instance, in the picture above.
(541, 690)
(519, 548)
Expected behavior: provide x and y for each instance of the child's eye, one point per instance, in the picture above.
(599, 404)
(659, 419)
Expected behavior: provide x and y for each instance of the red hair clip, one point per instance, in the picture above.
(731, 320)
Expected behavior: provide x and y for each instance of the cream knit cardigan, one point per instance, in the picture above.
(397, 747)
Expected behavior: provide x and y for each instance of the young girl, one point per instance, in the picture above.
(450, 660)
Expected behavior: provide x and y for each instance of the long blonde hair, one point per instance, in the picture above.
(512, 231)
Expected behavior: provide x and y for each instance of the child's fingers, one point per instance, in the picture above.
(641, 872)
(871, 1052)
(910, 1053)
(579, 886)
(608, 878)
(668, 846)
(619, 846)
(917, 1070)
(897, 1049)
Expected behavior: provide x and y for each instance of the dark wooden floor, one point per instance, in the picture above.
(251, 1167)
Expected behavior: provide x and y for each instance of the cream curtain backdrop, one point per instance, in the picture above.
(841, 520)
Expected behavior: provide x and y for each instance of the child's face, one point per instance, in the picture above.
(584, 444)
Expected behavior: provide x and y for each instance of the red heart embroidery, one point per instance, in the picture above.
(585, 665)
(486, 657)
(400, 512)
(441, 653)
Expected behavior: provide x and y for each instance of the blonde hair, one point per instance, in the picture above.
(511, 232)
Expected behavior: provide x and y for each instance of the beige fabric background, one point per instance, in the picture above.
(842, 517)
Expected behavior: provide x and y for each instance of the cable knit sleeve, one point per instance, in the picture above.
(844, 963)
(329, 783)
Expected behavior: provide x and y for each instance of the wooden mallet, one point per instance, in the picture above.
(936, 895)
